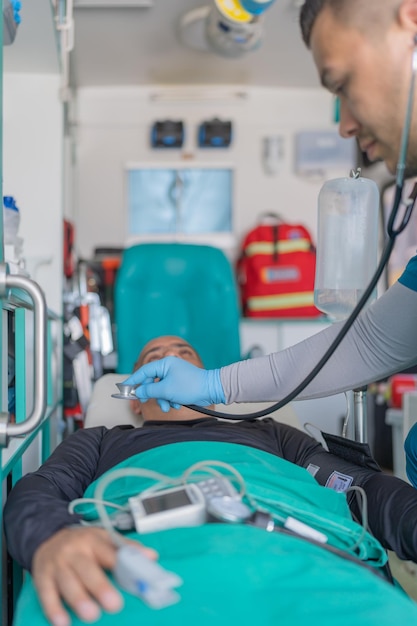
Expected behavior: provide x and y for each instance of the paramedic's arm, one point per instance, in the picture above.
(383, 340)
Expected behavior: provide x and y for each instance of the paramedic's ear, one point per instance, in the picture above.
(407, 13)
(135, 407)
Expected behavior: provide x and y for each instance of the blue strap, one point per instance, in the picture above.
(410, 446)
(409, 276)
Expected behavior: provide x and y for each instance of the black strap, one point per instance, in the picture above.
(352, 451)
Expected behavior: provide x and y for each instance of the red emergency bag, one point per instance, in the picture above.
(276, 270)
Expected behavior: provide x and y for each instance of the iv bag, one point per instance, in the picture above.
(347, 244)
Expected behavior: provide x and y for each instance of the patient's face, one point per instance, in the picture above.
(154, 350)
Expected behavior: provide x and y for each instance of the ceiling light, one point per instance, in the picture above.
(200, 95)
(222, 27)
(113, 4)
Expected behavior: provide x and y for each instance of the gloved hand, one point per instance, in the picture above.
(179, 383)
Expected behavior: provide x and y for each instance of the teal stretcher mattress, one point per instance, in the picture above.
(237, 574)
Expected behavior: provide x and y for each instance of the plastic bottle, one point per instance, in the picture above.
(347, 244)
(11, 219)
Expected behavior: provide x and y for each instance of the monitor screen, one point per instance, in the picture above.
(167, 500)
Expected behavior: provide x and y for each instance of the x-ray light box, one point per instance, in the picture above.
(179, 199)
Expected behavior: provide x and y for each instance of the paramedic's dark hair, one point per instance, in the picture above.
(308, 14)
(371, 12)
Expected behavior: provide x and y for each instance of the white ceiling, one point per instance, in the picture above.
(137, 46)
(34, 49)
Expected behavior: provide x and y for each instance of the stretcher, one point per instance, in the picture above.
(241, 574)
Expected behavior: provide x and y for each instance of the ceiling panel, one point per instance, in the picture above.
(140, 46)
(35, 46)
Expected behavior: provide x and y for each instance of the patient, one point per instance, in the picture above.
(68, 561)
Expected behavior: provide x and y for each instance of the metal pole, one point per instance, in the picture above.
(360, 414)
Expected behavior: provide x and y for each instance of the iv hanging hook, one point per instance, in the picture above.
(356, 174)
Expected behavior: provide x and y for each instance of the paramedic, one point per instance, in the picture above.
(363, 52)
(67, 562)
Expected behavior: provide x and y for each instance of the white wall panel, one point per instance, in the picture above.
(33, 150)
(113, 128)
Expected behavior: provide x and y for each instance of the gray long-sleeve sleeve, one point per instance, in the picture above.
(382, 341)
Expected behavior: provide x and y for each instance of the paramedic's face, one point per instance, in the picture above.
(153, 351)
(370, 73)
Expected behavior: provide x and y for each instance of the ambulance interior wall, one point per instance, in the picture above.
(114, 126)
(113, 129)
(33, 174)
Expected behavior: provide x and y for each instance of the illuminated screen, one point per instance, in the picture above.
(166, 501)
(186, 201)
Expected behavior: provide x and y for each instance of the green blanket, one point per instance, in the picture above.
(236, 574)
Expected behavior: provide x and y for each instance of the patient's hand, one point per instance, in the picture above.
(70, 566)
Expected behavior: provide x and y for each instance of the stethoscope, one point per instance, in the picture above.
(392, 230)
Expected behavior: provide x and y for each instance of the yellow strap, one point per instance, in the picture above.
(282, 247)
(287, 301)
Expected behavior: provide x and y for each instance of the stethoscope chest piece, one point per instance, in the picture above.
(126, 392)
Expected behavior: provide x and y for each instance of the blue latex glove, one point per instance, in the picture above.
(179, 383)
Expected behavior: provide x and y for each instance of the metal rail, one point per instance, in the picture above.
(8, 282)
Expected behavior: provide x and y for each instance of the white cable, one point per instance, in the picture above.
(106, 480)
(208, 466)
(78, 501)
(102, 485)
(171, 482)
(364, 513)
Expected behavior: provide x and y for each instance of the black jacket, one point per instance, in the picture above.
(37, 506)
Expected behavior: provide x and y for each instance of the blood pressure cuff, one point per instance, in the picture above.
(241, 574)
(351, 451)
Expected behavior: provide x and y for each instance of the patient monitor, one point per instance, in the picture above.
(192, 504)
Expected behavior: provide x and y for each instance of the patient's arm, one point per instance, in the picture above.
(392, 511)
(392, 503)
(66, 563)
(70, 566)
(38, 505)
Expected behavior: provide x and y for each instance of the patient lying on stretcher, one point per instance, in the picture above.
(231, 572)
